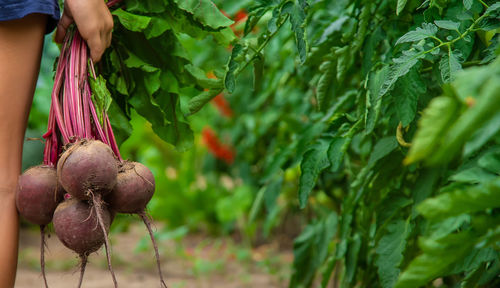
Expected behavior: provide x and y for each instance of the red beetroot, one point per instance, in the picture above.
(37, 197)
(38, 194)
(134, 188)
(87, 167)
(135, 185)
(77, 226)
(87, 170)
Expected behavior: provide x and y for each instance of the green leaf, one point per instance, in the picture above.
(324, 83)
(147, 106)
(157, 26)
(314, 161)
(447, 24)
(327, 273)
(351, 259)
(182, 23)
(272, 192)
(374, 105)
(470, 82)
(489, 23)
(178, 133)
(485, 107)
(401, 6)
(460, 201)
(427, 30)
(310, 249)
(435, 120)
(490, 53)
(407, 91)
(146, 6)
(257, 204)
(437, 258)
(122, 128)
(297, 13)
(482, 136)
(449, 66)
(198, 101)
(335, 26)
(229, 79)
(201, 77)
(473, 175)
(383, 147)
(205, 12)
(272, 25)
(401, 66)
(492, 9)
(388, 209)
(344, 60)
(468, 4)
(101, 97)
(390, 249)
(131, 21)
(254, 15)
(152, 82)
(490, 161)
(336, 152)
(474, 259)
(134, 61)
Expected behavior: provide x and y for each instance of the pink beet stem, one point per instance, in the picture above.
(113, 2)
(73, 115)
(55, 95)
(86, 111)
(87, 132)
(112, 141)
(77, 97)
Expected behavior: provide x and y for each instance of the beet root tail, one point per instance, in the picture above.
(157, 255)
(83, 264)
(42, 255)
(96, 199)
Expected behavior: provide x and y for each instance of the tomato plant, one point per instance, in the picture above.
(390, 110)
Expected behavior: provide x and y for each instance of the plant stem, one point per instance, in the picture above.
(261, 47)
(484, 4)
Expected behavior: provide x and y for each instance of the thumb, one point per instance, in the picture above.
(62, 27)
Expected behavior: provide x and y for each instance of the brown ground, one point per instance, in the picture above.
(194, 261)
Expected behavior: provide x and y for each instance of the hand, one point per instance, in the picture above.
(94, 21)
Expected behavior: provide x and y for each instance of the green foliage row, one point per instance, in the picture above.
(389, 109)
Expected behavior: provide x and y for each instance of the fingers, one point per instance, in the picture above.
(107, 38)
(98, 36)
(97, 48)
(62, 27)
(99, 41)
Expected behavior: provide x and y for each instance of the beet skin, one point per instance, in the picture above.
(134, 188)
(76, 225)
(87, 167)
(38, 194)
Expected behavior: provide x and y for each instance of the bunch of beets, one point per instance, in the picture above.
(83, 181)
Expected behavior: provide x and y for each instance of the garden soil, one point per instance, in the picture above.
(195, 263)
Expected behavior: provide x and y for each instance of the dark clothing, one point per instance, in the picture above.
(17, 9)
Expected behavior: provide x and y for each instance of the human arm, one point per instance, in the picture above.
(20, 52)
